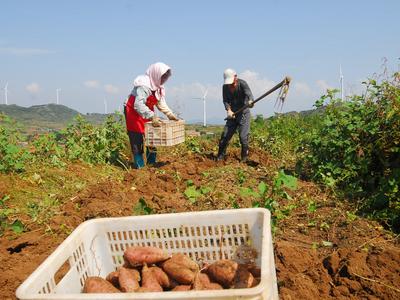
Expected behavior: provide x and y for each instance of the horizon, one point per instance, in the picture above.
(92, 62)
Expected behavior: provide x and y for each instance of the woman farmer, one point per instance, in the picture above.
(148, 91)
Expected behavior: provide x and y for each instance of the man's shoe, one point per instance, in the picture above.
(244, 155)
(220, 157)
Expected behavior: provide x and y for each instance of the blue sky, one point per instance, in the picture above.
(92, 50)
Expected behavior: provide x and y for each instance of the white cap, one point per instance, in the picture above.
(229, 76)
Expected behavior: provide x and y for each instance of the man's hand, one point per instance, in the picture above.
(251, 104)
(172, 117)
(156, 121)
(230, 114)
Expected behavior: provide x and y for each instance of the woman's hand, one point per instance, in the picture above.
(172, 117)
(156, 121)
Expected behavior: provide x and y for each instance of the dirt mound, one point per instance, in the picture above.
(320, 253)
(304, 273)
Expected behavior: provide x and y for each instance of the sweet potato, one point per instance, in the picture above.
(243, 278)
(252, 268)
(149, 281)
(138, 255)
(98, 285)
(181, 288)
(202, 282)
(113, 278)
(214, 286)
(181, 268)
(223, 272)
(161, 277)
(146, 290)
(128, 280)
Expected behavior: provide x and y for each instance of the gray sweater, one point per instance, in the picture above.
(236, 100)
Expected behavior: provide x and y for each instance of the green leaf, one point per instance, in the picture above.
(286, 180)
(4, 199)
(248, 192)
(17, 226)
(205, 190)
(192, 194)
(141, 208)
(262, 188)
(312, 206)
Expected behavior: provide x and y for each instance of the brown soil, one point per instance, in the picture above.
(362, 261)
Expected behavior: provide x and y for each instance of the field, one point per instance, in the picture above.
(335, 232)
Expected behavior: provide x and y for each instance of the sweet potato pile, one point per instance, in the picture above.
(149, 269)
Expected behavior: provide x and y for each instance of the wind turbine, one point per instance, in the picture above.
(341, 84)
(58, 99)
(204, 107)
(105, 105)
(6, 93)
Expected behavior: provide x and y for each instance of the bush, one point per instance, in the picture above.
(282, 135)
(91, 144)
(47, 149)
(357, 148)
(13, 155)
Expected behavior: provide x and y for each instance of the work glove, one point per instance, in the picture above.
(172, 117)
(251, 104)
(156, 121)
(230, 114)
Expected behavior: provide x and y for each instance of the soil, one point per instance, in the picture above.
(318, 255)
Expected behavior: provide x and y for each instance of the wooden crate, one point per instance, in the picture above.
(170, 133)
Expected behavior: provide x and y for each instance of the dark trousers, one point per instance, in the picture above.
(136, 139)
(240, 123)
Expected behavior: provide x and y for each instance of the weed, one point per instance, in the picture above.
(6, 214)
(241, 176)
(141, 208)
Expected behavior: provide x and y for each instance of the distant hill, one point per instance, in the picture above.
(48, 117)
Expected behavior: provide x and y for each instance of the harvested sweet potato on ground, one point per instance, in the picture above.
(128, 279)
(243, 278)
(161, 276)
(98, 285)
(181, 288)
(113, 278)
(138, 255)
(149, 281)
(223, 272)
(181, 268)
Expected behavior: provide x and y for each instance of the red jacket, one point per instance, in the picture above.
(134, 121)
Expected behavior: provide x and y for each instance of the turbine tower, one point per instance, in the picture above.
(105, 105)
(6, 93)
(204, 107)
(58, 97)
(341, 83)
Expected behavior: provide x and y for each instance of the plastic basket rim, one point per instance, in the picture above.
(21, 293)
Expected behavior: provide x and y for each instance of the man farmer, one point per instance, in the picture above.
(235, 93)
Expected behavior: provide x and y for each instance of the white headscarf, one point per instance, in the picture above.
(152, 79)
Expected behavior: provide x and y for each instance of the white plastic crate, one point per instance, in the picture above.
(95, 248)
(170, 133)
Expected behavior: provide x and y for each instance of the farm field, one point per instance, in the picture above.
(335, 230)
(322, 250)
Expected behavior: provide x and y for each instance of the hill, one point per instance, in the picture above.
(47, 117)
